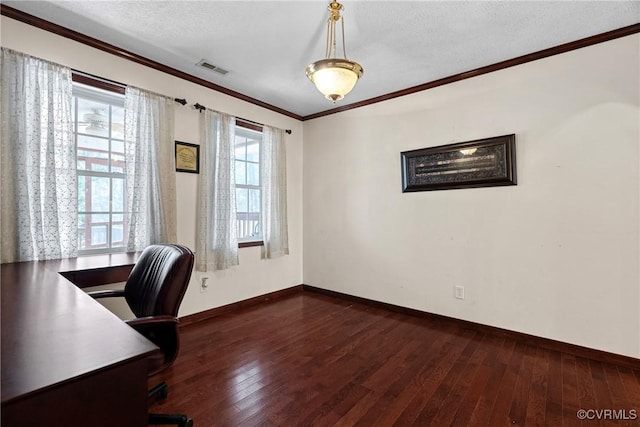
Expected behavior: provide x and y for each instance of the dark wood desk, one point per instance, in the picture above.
(66, 360)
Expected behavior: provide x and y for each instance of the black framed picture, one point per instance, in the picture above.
(481, 163)
(187, 157)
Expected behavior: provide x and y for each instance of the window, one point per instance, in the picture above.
(248, 186)
(99, 136)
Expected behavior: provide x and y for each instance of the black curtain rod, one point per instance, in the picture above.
(102, 79)
(182, 101)
(288, 131)
(201, 108)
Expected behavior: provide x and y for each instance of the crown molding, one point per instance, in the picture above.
(122, 53)
(545, 53)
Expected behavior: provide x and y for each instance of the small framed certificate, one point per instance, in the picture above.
(187, 157)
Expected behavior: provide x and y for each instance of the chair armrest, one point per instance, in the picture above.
(142, 323)
(106, 294)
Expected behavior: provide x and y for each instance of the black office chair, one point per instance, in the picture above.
(154, 291)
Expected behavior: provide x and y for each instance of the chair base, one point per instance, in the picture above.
(171, 419)
(160, 391)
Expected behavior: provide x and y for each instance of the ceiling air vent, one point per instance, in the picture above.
(209, 66)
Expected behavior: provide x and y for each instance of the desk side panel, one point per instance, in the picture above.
(113, 397)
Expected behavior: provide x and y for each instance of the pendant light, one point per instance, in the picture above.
(334, 77)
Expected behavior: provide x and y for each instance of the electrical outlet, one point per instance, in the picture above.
(459, 292)
(204, 286)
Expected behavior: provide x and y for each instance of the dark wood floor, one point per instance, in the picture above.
(312, 359)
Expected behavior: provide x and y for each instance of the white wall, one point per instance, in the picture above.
(253, 276)
(556, 256)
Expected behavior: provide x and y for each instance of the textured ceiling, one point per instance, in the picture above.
(266, 45)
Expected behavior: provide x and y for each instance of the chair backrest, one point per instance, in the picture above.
(156, 285)
(159, 280)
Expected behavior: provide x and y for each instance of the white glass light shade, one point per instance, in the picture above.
(334, 78)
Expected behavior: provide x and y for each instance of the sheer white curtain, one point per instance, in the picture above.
(39, 188)
(216, 240)
(150, 169)
(274, 193)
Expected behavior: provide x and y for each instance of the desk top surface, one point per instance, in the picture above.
(53, 332)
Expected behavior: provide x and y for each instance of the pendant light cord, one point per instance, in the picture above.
(344, 45)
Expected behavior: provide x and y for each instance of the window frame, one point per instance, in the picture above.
(249, 128)
(93, 90)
